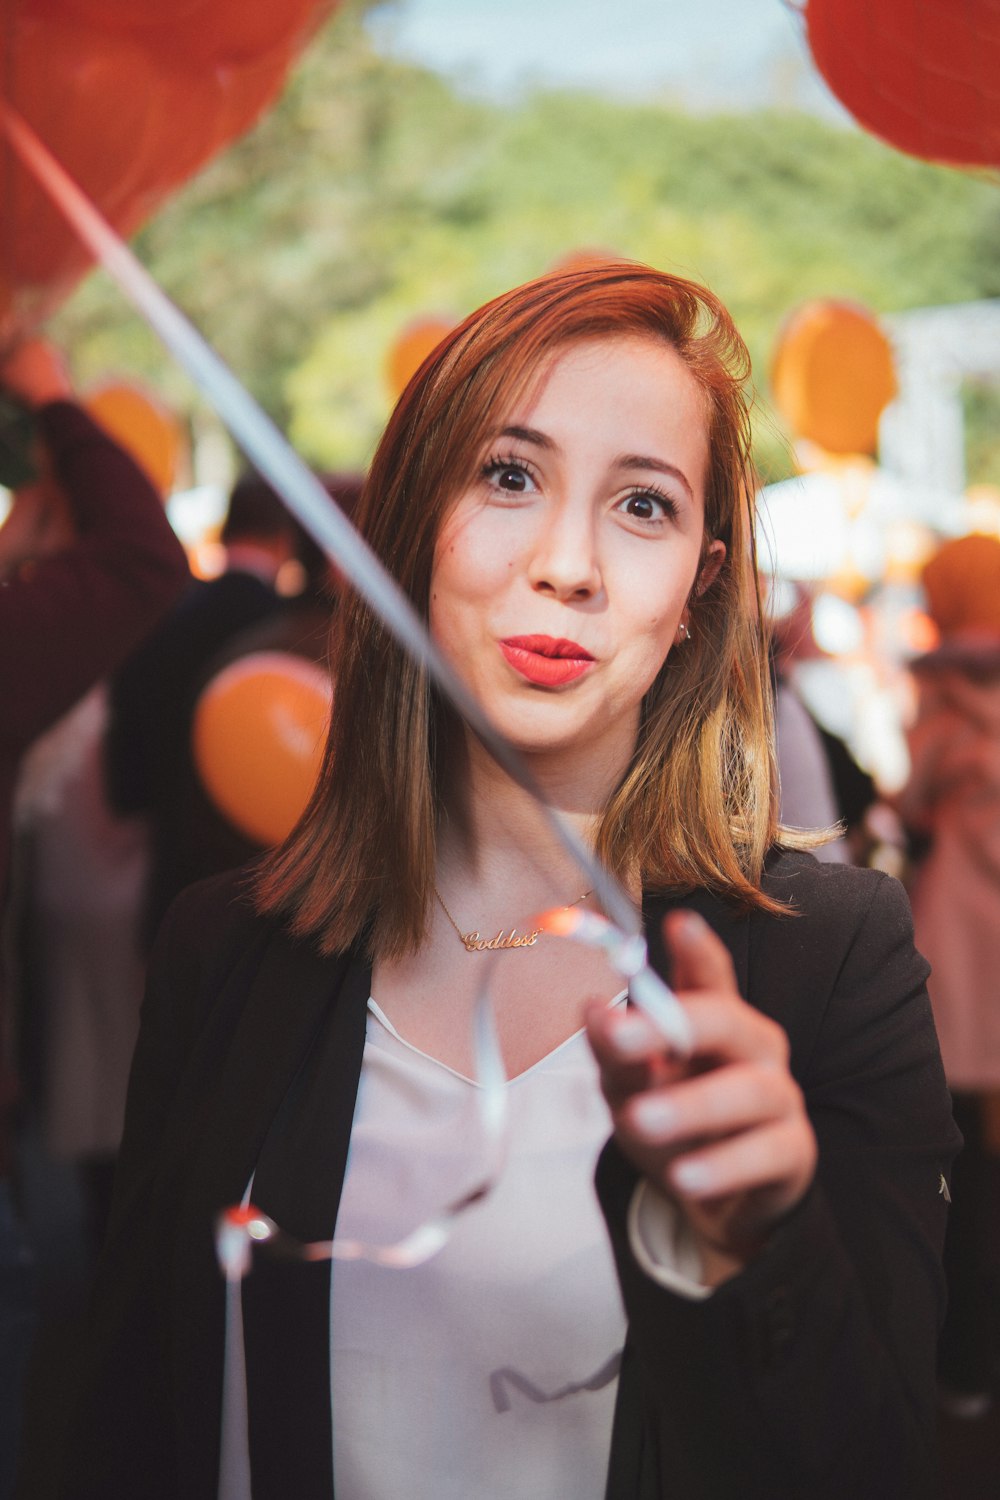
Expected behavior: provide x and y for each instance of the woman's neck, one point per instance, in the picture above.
(493, 832)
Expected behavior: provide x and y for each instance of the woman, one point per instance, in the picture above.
(751, 1306)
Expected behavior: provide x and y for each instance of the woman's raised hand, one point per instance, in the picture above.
(723, 1133)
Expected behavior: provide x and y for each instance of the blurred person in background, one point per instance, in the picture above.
(78, 880)
(78, 884)
(951, 807)
(822, 785)
(88, 563)
(301, 625)
(151, 770)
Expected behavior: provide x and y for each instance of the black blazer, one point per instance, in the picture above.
(810, 1375)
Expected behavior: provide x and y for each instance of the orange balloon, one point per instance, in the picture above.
(832, 375)
(143, 426)
(411, 347)
(258, 735)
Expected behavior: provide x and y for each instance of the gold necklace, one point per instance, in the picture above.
(512, 939)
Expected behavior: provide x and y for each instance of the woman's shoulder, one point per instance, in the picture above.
(225, 901)
(807, 885)
(807, 891)
(845, 951)
(211, 949)
(830, 908)
(211, 927)
(825, 920)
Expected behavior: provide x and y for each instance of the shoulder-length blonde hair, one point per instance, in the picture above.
(698, 804)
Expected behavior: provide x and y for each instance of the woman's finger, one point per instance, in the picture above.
(725, 1027)
(631, 1054)
(699, 958)
(709, 1105)
(781, 1155)
(629, 1051)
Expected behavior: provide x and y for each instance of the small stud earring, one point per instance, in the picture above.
(683, 632)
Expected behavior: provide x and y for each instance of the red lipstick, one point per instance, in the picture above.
(546, 661)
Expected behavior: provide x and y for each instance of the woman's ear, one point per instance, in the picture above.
(715, 556)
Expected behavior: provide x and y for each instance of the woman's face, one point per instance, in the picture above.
(562, 574)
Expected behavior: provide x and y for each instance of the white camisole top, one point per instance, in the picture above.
(490, 1371)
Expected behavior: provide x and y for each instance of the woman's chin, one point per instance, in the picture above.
(549, 731)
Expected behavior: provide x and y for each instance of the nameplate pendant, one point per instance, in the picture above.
(513, 939)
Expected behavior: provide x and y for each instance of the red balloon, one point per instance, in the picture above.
(248, 89)
(199, 33)
(194, 32)
(123, 15)
(132, 97)
(924, 76)
(228, 32)
(56, 78)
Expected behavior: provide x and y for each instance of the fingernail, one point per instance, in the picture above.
(631, 1036)
(691, 1176)
(653, 1115)
(691, 925)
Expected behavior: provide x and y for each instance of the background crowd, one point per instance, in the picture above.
(116, 640)
(110, 643)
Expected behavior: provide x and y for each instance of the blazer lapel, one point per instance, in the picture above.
(298, 1182)
(252, 1054)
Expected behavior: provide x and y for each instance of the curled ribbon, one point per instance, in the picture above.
(239, 1231)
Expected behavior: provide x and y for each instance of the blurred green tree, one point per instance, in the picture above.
(375, 192)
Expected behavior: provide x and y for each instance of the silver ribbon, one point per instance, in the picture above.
(620, 937)
(240, 1230)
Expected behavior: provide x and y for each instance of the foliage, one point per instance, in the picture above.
(374, 193)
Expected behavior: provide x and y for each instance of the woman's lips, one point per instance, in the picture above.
(546, 661)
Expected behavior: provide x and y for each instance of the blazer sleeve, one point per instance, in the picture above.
(810, 1376)
(186, 973)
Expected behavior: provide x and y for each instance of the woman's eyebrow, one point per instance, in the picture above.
(660, 466)
(529, 435)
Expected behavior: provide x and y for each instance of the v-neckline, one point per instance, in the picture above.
(375, 1010)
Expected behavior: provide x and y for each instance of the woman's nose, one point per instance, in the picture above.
(565, 559)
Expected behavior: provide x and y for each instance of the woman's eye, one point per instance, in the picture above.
(646, 505)
(510, 477)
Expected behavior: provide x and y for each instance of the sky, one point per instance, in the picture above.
(703, 53)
